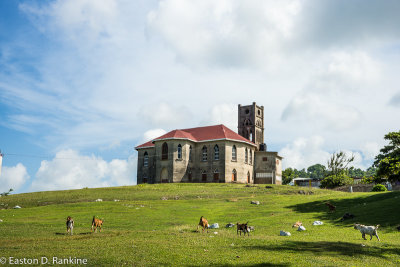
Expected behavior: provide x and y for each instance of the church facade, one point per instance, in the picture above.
(212, 154)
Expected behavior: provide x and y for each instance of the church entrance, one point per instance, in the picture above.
(234, 176)
(248, 177)
(164, 175)
(216, 177)
(204, 177)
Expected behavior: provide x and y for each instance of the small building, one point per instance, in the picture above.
(307, 182)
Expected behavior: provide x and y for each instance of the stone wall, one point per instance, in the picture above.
(183, 169)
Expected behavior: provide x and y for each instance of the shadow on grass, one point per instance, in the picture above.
(329, 248)
(380, 208)
(85, 233)
(267, 264)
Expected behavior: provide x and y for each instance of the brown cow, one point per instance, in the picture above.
(96, 223)
(203, 223)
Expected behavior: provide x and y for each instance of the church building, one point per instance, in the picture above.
(212, 154)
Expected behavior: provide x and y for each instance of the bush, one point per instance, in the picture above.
(379, 188)
(333, 181)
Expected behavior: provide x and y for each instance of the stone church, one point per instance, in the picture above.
(212, 154)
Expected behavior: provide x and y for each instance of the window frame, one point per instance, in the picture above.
(216, 152)
(164, 151)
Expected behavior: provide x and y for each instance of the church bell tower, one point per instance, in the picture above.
(251, 124)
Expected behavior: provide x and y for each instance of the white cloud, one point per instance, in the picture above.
(304, 152)
(328, 100)
(226, 114)
(153, 133)
(370, 150)
(225, 33)
(13, 177)
(70, 170)
(164, 114)
(321, 111)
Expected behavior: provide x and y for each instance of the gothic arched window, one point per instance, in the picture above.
(251, 157)
(190, 153)
(179, 151)
(164, 153)
(204, 153)
(145, 159)
(216, 152)
(234, 152)
(245, 156)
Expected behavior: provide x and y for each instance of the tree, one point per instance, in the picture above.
(338, 170)
(288, 175)
(333, 181)
(339, 163)
(316, 171)
(301, 173)
(353, 172)
(388, 161)
(370, 172)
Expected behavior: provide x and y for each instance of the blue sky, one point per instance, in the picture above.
(82, 82)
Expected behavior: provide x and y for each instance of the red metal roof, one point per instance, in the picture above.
(200, 134)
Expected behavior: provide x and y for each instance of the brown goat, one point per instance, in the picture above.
(203, 223)
(331, 207)
(243, 228)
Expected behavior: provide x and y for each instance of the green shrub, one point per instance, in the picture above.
(379, 188)
(333, 181)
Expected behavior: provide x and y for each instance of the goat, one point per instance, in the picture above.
(369, 230)
(331, 207)
(203, 223)
(96, 223)
(243, 228)
(70, 225)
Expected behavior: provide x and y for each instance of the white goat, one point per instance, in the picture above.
(369, 230)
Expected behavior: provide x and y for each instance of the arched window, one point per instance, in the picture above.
(164, 154)
(234, 152)
(216, 152)
(179, 151)
(251, 157)
(204, 176)
(204, 153)
(246, 156)
(216, 175)
(190, 153)
(234, 176)
(145, 159)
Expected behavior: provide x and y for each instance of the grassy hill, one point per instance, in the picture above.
(153, 225)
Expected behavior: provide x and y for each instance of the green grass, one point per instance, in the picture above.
(143, 230)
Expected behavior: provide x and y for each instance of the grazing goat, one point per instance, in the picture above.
(331, 207)
(203, 223)
(243, 228)
(96, 223)
(70, 225)
(369, 230)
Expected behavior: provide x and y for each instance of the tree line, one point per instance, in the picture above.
(339, 171)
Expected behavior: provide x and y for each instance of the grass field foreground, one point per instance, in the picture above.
(153, 225)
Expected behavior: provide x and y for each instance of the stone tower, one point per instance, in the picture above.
(251, 124)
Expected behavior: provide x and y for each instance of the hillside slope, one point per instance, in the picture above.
(155, 225)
